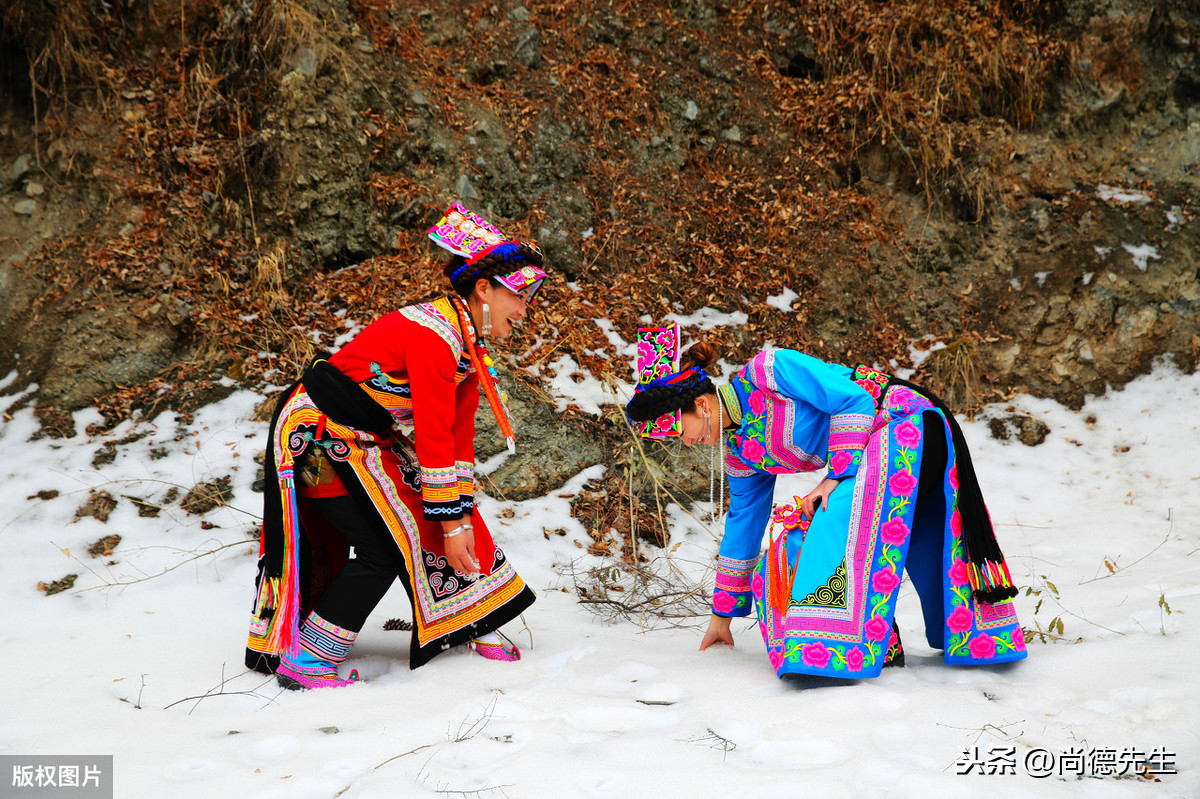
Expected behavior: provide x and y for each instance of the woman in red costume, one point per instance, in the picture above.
(341, 472)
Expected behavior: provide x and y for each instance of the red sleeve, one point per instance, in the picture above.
(436, 409)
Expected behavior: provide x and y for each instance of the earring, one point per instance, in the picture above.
(487, 319)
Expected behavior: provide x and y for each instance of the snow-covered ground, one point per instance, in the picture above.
(142, 658)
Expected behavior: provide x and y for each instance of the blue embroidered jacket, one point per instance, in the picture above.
(792, 413)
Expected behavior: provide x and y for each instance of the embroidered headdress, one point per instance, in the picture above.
(469, 235)
(662, 390)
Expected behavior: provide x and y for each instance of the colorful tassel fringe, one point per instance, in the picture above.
(991, 581)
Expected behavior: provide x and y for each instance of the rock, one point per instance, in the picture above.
(733, 134)
(205, 496)
(24, 207)
(525, 49)
(691, 110)
(21, 165)
(105, 546)
(58, 586)
(464, 189)
(1032, 432)
(34, 189)
(1025, 428)
(99, 505)
(306, 62)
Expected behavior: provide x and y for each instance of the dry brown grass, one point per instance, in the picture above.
(62, 41)
(725, 226)
(953, 374)
(930, 80)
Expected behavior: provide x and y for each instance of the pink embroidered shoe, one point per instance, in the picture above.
(503, 649)
(313, 663)
(294, 676)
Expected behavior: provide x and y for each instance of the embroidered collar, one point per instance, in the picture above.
(733, 406)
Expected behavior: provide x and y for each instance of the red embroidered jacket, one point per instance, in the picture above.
(414, 363)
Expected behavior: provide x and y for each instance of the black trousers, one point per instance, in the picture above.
(368, 575)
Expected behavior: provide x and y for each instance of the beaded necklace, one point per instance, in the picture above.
(485, 367)
(716, 459)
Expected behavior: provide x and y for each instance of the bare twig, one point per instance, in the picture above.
(1115, 568)
(714, 740)
(219, 690)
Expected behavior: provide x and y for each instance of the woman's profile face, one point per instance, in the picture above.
(697, 428)
(507, 307)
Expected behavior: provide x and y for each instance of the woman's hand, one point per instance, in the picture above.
(821, 492)
(718, 630)
(460, 549)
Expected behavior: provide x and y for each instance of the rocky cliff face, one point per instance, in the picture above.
(192, 202)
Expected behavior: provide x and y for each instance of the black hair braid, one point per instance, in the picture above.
(653, 402)
(490, 266)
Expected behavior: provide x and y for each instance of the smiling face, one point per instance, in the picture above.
(507, 307)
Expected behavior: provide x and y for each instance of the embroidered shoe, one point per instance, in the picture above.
(895, 650)
(296, 678)
(313, 663)
(502, 649)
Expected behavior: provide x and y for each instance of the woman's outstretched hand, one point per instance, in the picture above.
(460, 549)
(718, 630)
(818, 497)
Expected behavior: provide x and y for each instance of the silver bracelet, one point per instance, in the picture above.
(457, 531)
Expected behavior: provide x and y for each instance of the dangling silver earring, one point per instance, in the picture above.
(487, 319)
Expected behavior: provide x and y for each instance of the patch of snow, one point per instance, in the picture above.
(1142, 254)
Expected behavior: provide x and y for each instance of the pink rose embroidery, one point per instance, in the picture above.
(956, 524)
(908, 435)
(902, 483)
(776, 657)
(815, 655)
(870, 386)
(839, 462)
(900, 397)
(756, 585)
(982, 646)
(958, 573)
(753, 451)
(954, 477)
(876, 628)
(1018, 640)
(894, 531)
(665, 421)
(723, 601)
(960, 620)
(854, 659)
(884, 581)
(758, 402)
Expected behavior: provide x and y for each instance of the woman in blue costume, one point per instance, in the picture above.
(899, 492)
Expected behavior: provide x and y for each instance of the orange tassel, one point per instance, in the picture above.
(481, 360)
